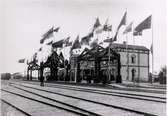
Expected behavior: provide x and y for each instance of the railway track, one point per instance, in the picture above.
(15, 108)
(108, 105)
(113, 93)
(59, 105)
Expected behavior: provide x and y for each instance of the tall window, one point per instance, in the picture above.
(133, 58)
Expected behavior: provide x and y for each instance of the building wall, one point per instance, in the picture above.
(140, 64)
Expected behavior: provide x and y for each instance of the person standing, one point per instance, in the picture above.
(41, 74)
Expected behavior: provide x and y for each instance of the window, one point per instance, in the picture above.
(133, 58)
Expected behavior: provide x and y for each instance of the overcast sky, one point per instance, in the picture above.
(23, 22)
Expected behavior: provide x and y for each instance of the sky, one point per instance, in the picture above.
(23, 22)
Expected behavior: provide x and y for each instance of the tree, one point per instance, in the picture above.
(162, 75)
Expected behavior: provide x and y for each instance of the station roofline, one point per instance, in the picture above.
(136, 47)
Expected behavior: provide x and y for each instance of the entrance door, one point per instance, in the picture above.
(133, 74)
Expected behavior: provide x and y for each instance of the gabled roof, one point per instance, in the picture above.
(123, 46)
(96, 52)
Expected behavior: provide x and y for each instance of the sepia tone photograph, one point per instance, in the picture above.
(83, 57)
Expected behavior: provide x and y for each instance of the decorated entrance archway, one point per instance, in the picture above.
(94, 59)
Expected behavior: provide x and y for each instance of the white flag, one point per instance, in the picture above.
(128, 28)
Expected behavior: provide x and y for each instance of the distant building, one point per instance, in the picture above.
(134, 62)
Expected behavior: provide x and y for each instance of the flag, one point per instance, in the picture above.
(35, 56)
(58, 44)
(57, 29)
(50, 43)
(99, 30)
(76, 44)
(48, 34)
(123, 21)
(97, 24)
(86, 39)
(151, 49)
(94, 43)
(128, 28)
(115, 37)
(21, 60)
(42, 40)
(40, 49)
(146, 24)
(106, 22)
(66, 41)
(68, 44)
(106, 27)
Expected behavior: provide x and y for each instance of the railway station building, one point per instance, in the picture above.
(120, 63)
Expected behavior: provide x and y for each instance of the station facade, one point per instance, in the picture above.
(134, 63)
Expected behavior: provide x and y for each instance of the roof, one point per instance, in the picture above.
(123, 46)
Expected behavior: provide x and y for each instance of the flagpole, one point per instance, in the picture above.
(152, 51)
(127, 56)
(127, 50)
(132, 33)
(109, 68)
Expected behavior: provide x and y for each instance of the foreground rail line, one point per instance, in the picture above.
(81, 112)
(15, 107)
(109, 105)
(104, 92)
(119, 94)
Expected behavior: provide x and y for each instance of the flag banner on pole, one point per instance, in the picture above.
(99, 30)
(68, 44)
(48, 34)
(128, 28)
(107, 27)
(115, 37)
(40, 49)
(86, 39)
(50, 43)
(35, 56)
(21, 60)
(58, 44)
(146, 24)
(57, 29)
(97, 24)
(76, 44)
(151, 49)
(94, 43)
(123, 21)
(42, 40)
(66, 41)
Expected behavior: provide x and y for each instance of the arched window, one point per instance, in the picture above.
(133, 58)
